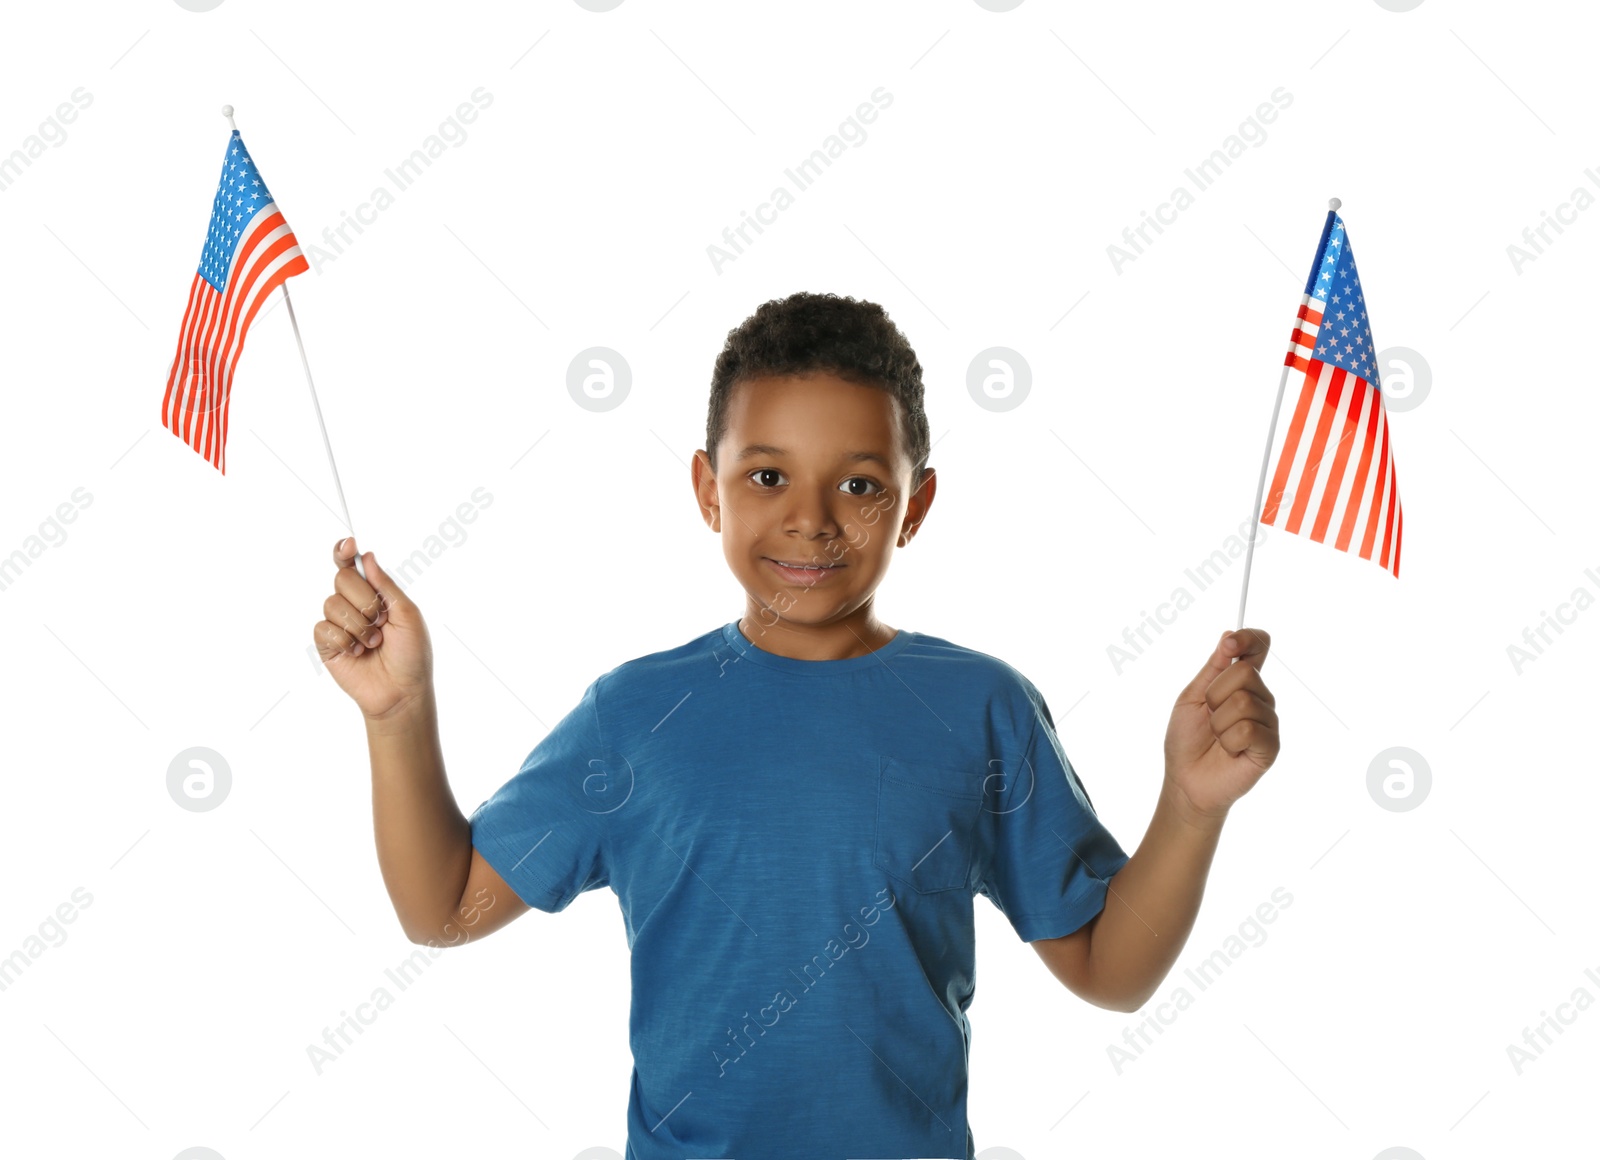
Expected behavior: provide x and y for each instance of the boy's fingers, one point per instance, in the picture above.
(1238, 677)
(395, 601)
(344, 553)
(349, 586)
(356, 623)
(1247, 736)
(1247, 644)
(332, 640)
(1252, 647)
(1242, 705)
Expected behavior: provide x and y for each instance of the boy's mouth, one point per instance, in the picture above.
(798, 573)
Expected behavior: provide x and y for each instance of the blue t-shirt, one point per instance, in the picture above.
(795, 846)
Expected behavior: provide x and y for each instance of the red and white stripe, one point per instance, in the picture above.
(195, 406)
(1334, 477)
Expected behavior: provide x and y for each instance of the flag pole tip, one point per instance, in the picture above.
(227, 111)
(1334, 203)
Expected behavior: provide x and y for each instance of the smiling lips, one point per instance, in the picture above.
(803, 573)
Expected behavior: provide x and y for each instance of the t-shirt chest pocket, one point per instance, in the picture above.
(927, 817)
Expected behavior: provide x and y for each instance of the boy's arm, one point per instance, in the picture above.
(443, 891)
(374, 642)
(1118, 959)
(1222, 737)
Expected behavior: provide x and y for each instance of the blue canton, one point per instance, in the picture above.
(240, 194)
(1345, 336)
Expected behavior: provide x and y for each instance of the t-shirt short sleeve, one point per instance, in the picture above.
(543, 830)
(1052, 856)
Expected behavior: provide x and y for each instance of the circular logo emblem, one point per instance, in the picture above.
(199, 780)
(598, 379)
(998, 378)
(1399, 779)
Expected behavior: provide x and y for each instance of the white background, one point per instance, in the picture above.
(178, 610)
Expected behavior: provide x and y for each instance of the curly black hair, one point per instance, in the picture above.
(855, 340)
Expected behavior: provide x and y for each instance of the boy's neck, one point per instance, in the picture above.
(856, 635)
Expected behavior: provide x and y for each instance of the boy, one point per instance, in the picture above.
(795, 810)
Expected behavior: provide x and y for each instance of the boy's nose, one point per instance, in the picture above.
(810, 513)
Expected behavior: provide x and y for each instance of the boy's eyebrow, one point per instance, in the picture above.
(755, 449)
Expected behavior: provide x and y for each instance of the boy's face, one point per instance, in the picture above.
(813, 473)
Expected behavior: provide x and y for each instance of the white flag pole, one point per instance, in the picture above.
(227, 111)
(1261, 483)
(333, 467)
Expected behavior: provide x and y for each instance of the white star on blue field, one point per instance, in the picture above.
(240, 193)
(1345, 336)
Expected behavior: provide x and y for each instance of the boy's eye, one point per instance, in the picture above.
(761, 473)
(861, 479)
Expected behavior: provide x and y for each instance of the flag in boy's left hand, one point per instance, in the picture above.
(250, 250)
(1334, 478)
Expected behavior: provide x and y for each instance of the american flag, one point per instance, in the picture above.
(250, 250)
(1335, 466)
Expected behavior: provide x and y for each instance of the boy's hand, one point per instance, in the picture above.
(1224, 730)
(373, 641)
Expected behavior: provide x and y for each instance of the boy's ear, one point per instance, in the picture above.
(704, 481)
(917, 507)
